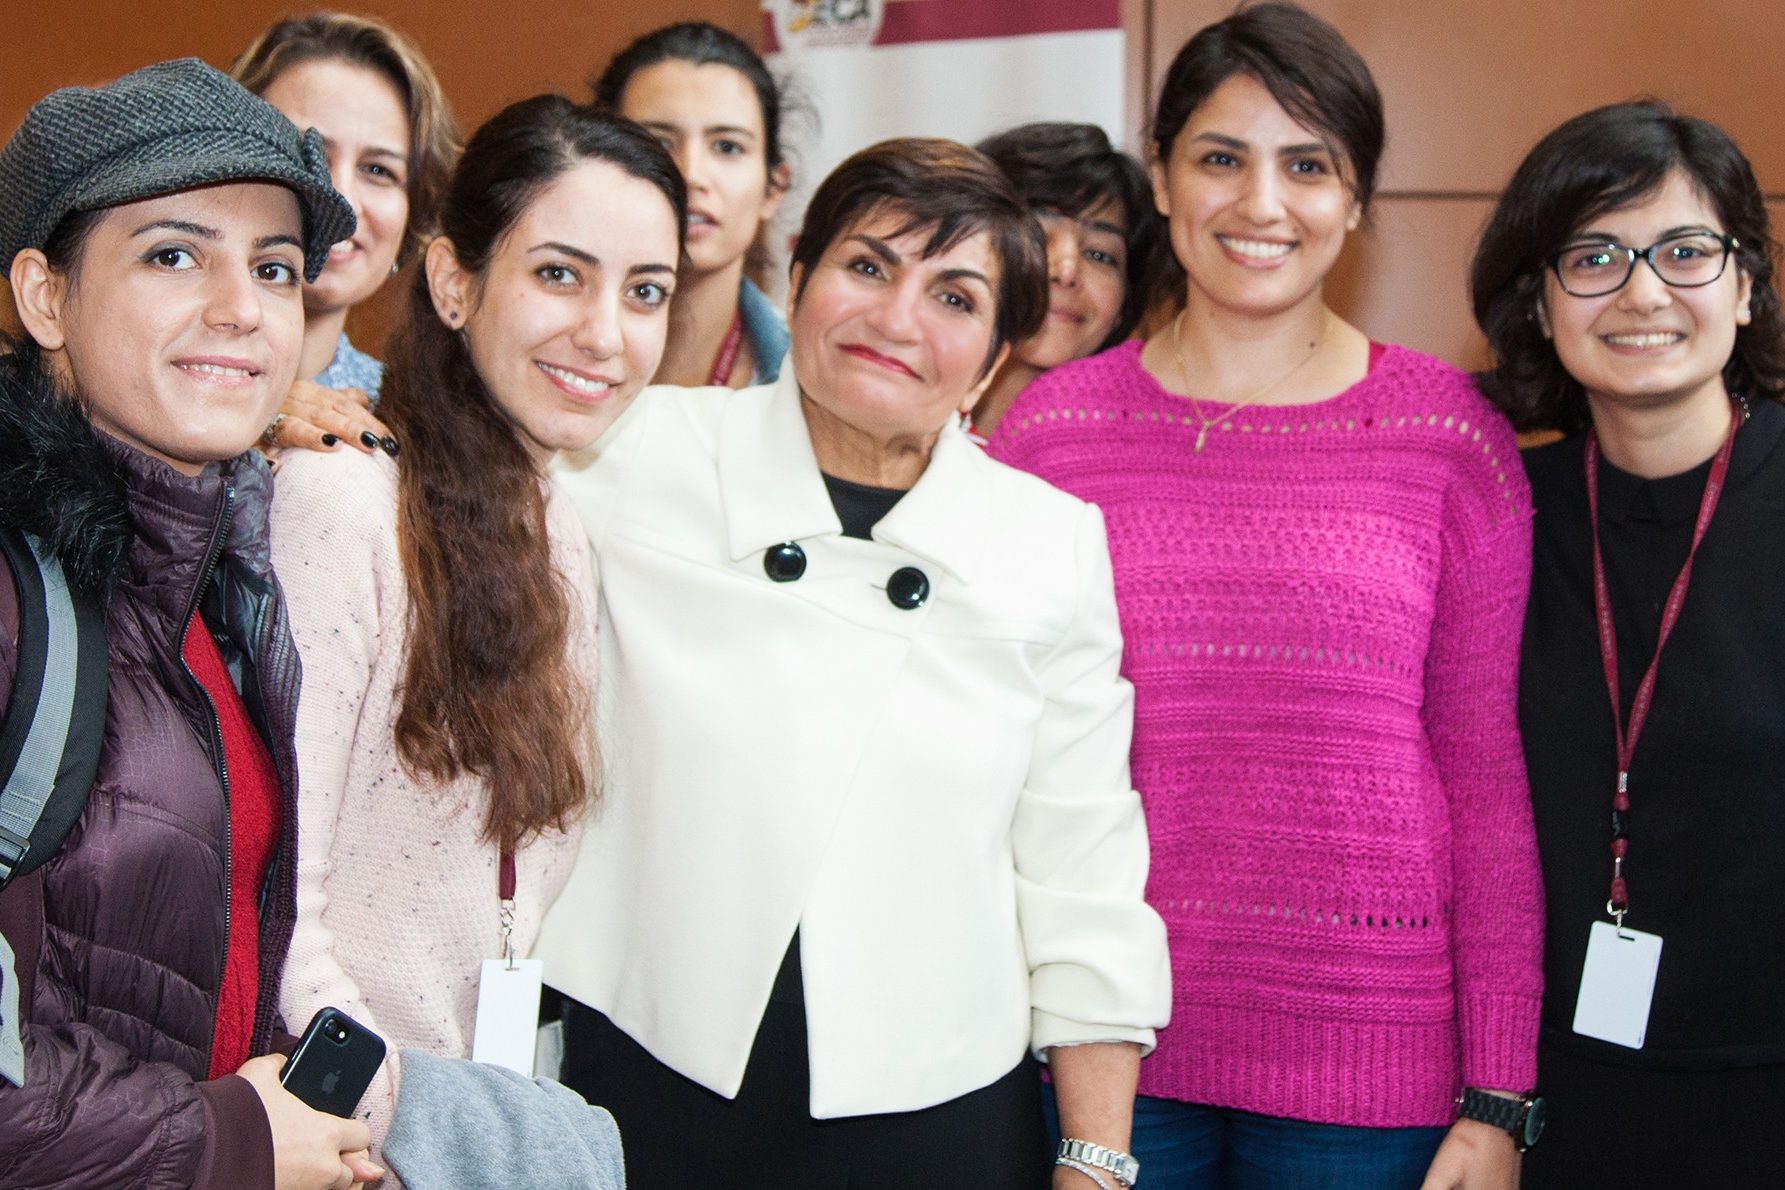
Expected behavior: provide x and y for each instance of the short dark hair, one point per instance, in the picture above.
(955, 191)
(1306, 66)
(1597, 162)
(1070, 168)
(702, 44)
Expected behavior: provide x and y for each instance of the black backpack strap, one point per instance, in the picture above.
(55, 720)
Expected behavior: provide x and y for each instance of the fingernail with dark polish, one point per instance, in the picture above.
(330, 440)
(390, 446)
(369, 438)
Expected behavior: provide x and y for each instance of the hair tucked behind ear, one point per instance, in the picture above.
(489, 688)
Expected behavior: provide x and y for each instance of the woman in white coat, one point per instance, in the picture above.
(869, 838)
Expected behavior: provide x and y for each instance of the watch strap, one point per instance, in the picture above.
(1125, 1168)
(1497, 1111)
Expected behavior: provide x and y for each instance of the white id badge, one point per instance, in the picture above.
(1617, 985)
(508, 1013)
(12, 1045)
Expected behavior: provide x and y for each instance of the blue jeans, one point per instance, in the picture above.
(1185, 1146)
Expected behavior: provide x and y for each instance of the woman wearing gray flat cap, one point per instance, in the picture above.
(868, 840)
(156, 232)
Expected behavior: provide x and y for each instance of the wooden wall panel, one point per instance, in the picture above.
(1404, 277)
(487, 54)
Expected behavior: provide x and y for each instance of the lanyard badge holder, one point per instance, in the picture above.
(508, 992)
(1617, 984)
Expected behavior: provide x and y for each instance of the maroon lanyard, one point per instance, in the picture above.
(728, 350)
(505, 890)
(1619, 903)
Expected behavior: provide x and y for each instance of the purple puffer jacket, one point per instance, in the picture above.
(120, 937)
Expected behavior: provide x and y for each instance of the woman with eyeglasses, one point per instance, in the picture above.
(1321, 548)
(1625, 284)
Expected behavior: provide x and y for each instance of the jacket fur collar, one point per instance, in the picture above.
(57, 480)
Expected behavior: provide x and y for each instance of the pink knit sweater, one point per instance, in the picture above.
(1322, 614)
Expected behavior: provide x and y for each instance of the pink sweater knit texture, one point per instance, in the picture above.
(1321, 612)
(397, 890)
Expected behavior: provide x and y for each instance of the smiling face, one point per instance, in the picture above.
(566, 323)
(1650, 343)
(888, 345)
(708, 117)
(1087, 268)
(365, 129)
(182, 321)
(1258, 205)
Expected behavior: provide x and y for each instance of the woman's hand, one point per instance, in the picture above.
(1474, 1156)
(312, 1150)
(318, 418)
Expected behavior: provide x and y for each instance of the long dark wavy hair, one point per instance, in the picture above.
(489, 688)
(1597, 162)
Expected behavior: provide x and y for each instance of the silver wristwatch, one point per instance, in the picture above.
(1125, 1168)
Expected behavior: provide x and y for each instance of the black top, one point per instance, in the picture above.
(860, 508)
(1707, 783)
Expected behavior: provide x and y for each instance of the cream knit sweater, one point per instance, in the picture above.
(397, 901)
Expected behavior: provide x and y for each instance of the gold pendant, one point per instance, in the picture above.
(1202, 436)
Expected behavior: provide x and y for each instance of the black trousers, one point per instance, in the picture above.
(678, 1135)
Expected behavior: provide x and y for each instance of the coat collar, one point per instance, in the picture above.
(773, 492)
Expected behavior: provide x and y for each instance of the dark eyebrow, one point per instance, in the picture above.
(192, 229)
(878, 247)
(965, 275)
(594, 261)
(566, 250)
(1232, 142)
(729, 130)
(1225, 141)
(1594, 236)
(1109, 228)
(279, 240)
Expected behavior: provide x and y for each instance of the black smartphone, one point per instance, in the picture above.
(334, 1063)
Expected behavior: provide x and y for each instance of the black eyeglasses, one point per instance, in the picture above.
(1685, 261)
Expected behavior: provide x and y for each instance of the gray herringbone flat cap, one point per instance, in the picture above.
(168, 127)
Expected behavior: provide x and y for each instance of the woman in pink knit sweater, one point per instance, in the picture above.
(443, 600)
(1321, 549)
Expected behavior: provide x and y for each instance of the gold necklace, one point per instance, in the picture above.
(1209, 423)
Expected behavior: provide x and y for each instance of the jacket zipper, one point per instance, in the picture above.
(204, 577)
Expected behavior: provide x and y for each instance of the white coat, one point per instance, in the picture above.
(938, 798)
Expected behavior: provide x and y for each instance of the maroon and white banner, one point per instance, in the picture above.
(873, 69)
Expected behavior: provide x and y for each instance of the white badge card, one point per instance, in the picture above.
(508, 1013)
(12, 1045)
(1617, 985)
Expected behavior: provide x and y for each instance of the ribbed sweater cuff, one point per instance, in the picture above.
(1500, 1041)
